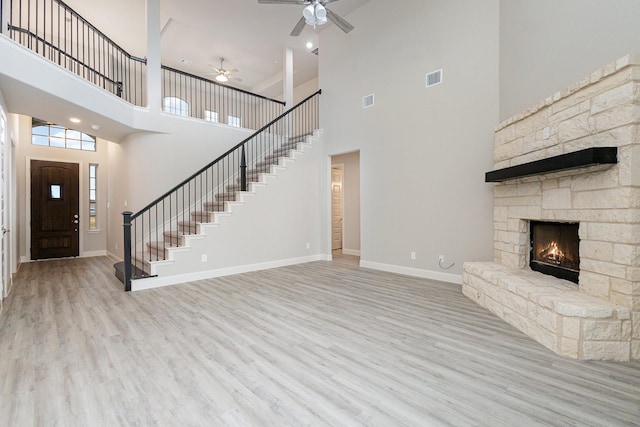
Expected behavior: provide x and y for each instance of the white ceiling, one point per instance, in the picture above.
(251, 37)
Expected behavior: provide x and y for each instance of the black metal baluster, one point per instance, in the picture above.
(29, 23)
(155, 226)
(127, 249)
(141, 240)
(243, 171)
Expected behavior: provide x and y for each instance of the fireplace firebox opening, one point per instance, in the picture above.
(555, 249)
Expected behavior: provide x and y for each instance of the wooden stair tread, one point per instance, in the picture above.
(156, 250)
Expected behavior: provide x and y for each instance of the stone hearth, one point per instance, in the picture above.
(601, 318)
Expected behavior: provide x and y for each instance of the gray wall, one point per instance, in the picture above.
(547, 45)
(423, 151)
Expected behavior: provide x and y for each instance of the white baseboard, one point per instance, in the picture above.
(157, 282)
(113, 257)
(353, 252)
(415, 272)
(88, 254)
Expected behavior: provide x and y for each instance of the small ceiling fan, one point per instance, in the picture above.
(222, 75)
(315, 13)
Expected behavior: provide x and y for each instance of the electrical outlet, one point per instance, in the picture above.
(204, 257)
(441, 258)
(413, 255)
(308, 245)
(116, 246)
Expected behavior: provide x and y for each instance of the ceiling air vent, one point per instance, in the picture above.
(434, 78)
(367, 101)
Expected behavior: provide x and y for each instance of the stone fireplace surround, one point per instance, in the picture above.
(601, 318)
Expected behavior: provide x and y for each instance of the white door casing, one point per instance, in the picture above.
(337, 172)
(4, 239)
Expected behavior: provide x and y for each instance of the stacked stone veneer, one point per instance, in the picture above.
(600, 318)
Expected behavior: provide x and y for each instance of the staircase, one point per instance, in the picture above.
(164, 227)
(157, 251)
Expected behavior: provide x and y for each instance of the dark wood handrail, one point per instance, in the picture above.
(234, 148)
(193, 76)
(62, 52)
(90, 25)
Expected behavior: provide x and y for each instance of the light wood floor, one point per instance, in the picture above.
(324, 343)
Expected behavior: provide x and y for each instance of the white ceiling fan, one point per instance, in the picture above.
(222, 75)
(315, 13)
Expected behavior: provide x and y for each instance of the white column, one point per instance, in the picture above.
(5, 18)
(287, 81)
(154, 74)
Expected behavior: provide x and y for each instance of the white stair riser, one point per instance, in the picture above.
(156, 251)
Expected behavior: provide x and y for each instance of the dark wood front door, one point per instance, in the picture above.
(54, 210)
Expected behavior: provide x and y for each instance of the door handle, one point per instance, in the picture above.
(4, 230)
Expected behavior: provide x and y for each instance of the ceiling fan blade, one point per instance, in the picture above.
(284, 1)
(298, 28)
(339, 21)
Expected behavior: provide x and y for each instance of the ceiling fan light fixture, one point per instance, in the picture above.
(321, 14)
(309, 13)
(315, 14)
(222, 78)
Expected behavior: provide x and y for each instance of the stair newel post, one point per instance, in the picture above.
(126, 224)
(243, 171)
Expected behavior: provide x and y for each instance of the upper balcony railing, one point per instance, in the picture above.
(193, 96)
(54, 30)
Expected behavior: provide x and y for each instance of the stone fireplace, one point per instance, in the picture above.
(599, 200)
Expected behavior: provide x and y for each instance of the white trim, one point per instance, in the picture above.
(415, 272)
(89, 254)
(113, 257)
(354, 252)
(157, 282)
(341, 167)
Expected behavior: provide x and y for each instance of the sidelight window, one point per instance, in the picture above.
(93, 188)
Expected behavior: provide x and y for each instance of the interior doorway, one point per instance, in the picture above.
(336, 206)
(54, 210)
(345, 204)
